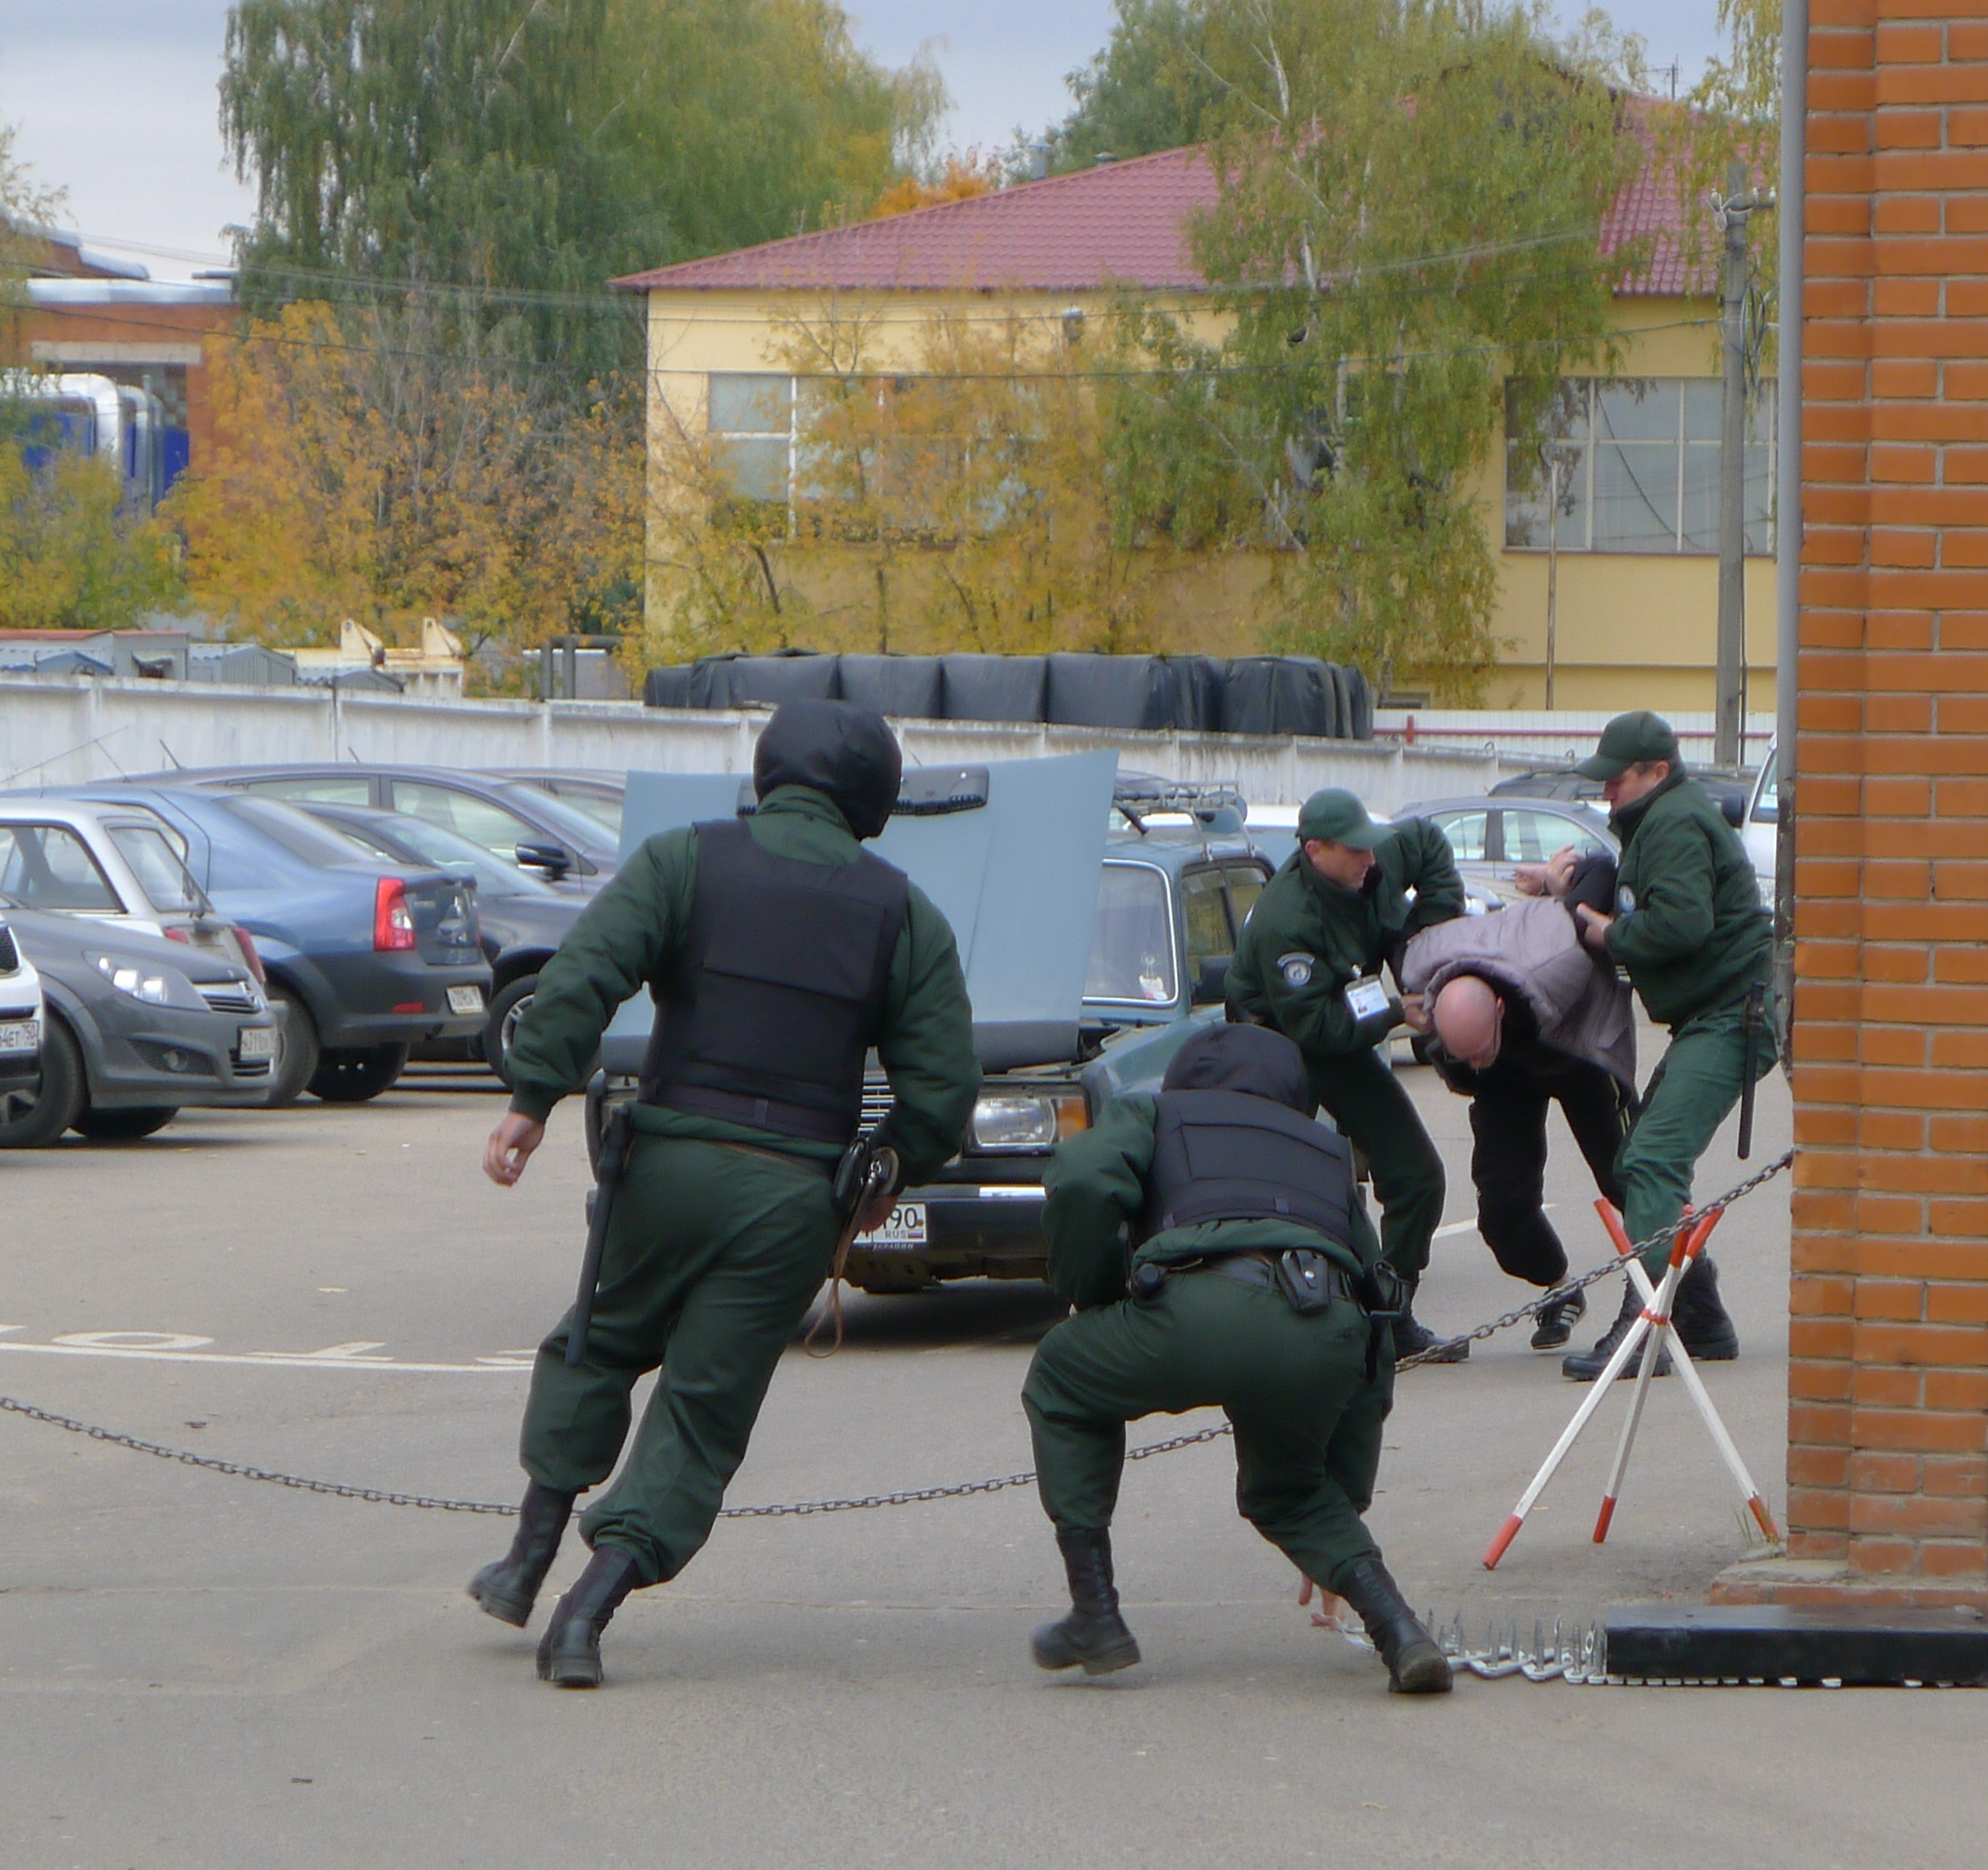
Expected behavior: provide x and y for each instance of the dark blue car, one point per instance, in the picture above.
(365, 956)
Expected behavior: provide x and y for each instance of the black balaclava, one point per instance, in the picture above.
(1250, 1058)
(1593, 882)
(838, 748)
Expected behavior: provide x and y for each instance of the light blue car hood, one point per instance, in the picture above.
(1017, 879)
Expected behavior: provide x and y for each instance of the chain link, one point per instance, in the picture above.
(382, 1496)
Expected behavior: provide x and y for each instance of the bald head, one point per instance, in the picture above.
(1468, 1017)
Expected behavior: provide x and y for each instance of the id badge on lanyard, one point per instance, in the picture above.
(1366, 998)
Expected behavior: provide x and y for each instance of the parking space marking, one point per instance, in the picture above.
(338, 1356)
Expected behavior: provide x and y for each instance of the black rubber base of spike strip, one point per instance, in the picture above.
(1771, 1644)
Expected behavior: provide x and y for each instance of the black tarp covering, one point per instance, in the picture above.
(995, 687)
(907, 688)
(1280, 694)
(1271, 696)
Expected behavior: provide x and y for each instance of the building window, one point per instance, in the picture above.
(751, 418)
(1639, 468)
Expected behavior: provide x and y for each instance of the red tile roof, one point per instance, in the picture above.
(1122, 224)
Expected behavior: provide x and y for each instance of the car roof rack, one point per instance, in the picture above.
(1147, 794)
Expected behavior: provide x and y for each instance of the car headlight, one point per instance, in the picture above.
(136, 981)
(1012, 1121)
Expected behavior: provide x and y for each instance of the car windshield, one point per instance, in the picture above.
(432, 844)
(604, 808)
(564, 816)
(1132, 940)
(157, 865)
(48, 867)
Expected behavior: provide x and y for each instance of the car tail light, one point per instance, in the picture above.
(393, 921)
(250, 959)
(177, 935)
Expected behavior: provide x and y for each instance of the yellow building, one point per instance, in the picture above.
(1636, 546)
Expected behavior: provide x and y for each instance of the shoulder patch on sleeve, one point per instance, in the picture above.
(1296, 969)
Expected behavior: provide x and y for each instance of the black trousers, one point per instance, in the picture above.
(1508, 1161)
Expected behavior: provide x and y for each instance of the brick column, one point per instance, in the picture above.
(1888, 1378)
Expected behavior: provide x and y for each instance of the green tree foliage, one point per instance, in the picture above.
(1149, 90)
(1410, 195)
(530, 150)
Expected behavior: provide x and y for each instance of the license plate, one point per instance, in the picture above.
(465, 999)
(256, 1042)
(21, 1035)
(906, 1227)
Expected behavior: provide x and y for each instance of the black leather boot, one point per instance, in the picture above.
(1585, 1366)
(1554, 1323)
(1412, 1337)
(570, 1651)
(1416, 1665)
(508, 1589)
(1703, 1324)
(1093, 1634)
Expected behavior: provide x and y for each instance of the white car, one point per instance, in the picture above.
(120, 864)
(22, 1017)
(1761, 833)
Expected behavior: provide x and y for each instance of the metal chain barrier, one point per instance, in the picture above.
(381, 1496)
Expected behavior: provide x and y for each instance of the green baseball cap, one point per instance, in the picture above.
(1628, 741)
(1336, 816)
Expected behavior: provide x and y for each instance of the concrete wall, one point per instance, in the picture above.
(57, 731)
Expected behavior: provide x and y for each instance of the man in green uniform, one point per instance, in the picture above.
(1308, 964)
(1690, 931)
(778, 952)
(1253, 1253)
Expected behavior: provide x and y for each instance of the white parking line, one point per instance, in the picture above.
(275, 1360)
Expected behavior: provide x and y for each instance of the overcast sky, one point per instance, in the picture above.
(114, 100)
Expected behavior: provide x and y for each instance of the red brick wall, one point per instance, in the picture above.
(1888, 1415)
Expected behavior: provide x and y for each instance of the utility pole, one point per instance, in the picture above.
(1729, 692)
(1556, 474)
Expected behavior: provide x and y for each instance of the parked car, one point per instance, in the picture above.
(1731, 786)
(364, 957)
(1490, 834)
(22, 1024)
(120, 863)
(523, 920)
(1761, 833)
(519, 824)
(1178, 882)
(135, 1029)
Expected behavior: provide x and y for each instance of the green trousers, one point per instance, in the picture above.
(1307, 1422)
(1697, 1083)
(712, 1256)
(1379, 1119)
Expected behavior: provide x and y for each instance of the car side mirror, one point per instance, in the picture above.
(1734, 809)
(550, 858)
(1211, 984)
(1767, 812)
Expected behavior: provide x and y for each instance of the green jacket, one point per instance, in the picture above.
(1096, 1184)
(626, 938)
(1689, 928)
(1306, 938)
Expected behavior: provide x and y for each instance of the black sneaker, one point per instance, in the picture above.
(1559, 1313)
(1412, 1338)
(1585, 1366)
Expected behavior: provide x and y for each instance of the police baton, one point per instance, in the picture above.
(614, 1158)
(1750, 1062)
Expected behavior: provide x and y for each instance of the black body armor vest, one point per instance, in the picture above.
(776, 992)
(1224, 1156)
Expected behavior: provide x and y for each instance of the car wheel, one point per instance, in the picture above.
(505, 1011)
(123, 1126)
(28, 1124)
(351, 1075)
(297, 1049)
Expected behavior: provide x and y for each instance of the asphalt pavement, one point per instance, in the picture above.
(199, 1671)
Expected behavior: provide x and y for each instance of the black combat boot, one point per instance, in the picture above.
(1559, 1313)
(508, 1589)
(1093, 1634)
(570, 1651)
(1416, 1665)
(1703, 1322)
(1585, 1366)
(1412, 1337)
